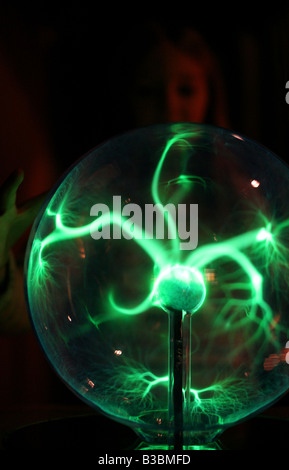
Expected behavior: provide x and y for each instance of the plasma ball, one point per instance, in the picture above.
(180, 288)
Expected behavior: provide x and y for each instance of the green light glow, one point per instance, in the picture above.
(136, 382)
(180, 288)
(264, 234)
(232, 249)
(197, 259)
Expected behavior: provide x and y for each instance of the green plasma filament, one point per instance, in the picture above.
(261, 242)
(221, 399)
(162, 259)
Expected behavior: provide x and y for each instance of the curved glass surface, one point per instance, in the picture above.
(157, 280)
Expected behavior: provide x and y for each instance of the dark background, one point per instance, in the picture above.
(61, 55)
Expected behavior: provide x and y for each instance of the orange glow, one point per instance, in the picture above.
(118, 352)
(81, 249)
(275, 359)
(210, 275)
(255, 184)
(237, 137)
(90, 383)
(272, 361)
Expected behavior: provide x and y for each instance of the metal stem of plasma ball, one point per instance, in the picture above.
(176, 378)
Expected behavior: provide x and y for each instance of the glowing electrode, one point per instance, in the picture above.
(180, 291)
(180, 288)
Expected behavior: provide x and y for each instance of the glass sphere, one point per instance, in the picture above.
(157, 280)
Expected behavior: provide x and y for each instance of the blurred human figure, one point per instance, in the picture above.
(162, 76)
(166, 75)
(24, 143)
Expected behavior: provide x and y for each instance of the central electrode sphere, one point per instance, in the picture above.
(180, 288)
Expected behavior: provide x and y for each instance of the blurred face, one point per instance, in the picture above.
(169, 86)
